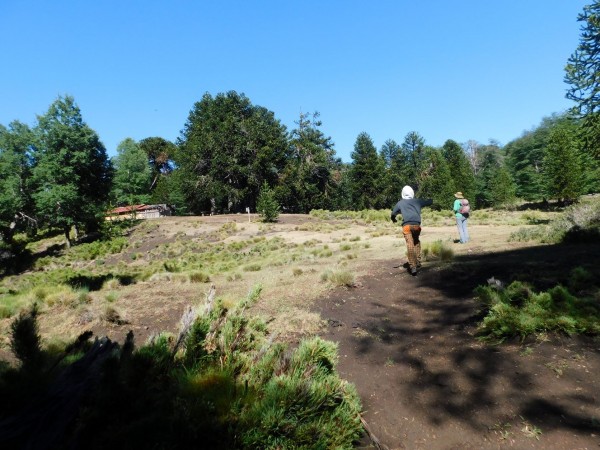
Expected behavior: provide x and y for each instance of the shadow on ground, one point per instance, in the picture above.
(408, 343)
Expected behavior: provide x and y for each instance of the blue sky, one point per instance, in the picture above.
(461, 70)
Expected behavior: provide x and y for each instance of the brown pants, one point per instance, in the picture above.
(413, 244)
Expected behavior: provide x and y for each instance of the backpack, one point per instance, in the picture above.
(465, 208)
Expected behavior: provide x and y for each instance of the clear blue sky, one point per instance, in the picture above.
(462, 69)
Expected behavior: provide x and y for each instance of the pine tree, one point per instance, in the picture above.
(562, 166)
(583, 74)
(460, 168)
(502, 188)
(366, 174)
(131, 183)
(436, 180)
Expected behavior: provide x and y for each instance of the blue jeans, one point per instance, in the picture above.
(461, 223)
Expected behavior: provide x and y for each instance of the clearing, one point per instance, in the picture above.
(406, 342)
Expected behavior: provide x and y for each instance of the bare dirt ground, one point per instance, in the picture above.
(407, 343)
(426, 383)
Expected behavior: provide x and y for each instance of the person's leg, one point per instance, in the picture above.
(416, 233)
(461, 230)
(466, 230)
(410, 247)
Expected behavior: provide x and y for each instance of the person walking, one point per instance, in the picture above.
(410, 209)
(462, 215)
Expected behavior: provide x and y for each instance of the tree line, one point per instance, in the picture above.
(57, 173)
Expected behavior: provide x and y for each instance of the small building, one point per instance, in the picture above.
(139, 212)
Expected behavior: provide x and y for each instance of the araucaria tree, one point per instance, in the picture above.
(583, 74)
(131, 183)
(227, 150)
(366, 174)
(435, 180)
(72, 175)
(562, 166)
(461, 170)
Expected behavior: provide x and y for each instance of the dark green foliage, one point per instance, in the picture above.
(159, 153)
(502, 188)
(16, 208)
(489, 163)
(562, 166)
(397, 171)
(267, 206)
(519, 311)
(436, 181)
(131, 184)
(582, 74)
(72, 175)
(227, 150)
(229, 387)
(366, 174)
(414, 149)
(307, 181)
(460, 168)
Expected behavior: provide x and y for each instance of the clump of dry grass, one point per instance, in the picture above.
(339, 278)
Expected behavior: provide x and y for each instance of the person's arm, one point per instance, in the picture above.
(395, 212)
(456, 205)
(427, 202)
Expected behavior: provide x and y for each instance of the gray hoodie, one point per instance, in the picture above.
(410, 209)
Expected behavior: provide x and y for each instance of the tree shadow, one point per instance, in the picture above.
(427, 328)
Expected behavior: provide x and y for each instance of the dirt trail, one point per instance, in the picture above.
(426, 383)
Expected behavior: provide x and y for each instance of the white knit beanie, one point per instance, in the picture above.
(407, 193)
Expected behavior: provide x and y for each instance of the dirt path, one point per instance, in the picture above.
(426, 382)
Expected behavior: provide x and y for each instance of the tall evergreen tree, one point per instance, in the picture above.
(73, 174)
(525, 157)
(436, 180)
(460, 168)
(414, 148)
(306, 183)
(366, 174)
(16, 209)
(131, 183)
(489, 166)
(502, 188)
(227, 149)
(562, 166)
(397, 171)
(583, 74)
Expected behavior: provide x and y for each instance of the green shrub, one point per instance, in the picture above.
(267, 205)
(519, 311)
(229, 386)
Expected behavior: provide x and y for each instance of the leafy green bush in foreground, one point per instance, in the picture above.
(519, 311)
(222, 383)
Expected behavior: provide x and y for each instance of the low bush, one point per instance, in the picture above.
(222, 383)
(339, 278)
(437, 250)
(519, 311)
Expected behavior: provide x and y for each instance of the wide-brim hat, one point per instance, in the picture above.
(459, 195)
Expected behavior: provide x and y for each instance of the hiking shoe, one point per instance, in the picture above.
(413, 271)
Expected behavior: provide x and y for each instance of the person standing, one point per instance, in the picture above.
(462, 216)
(410, 209)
